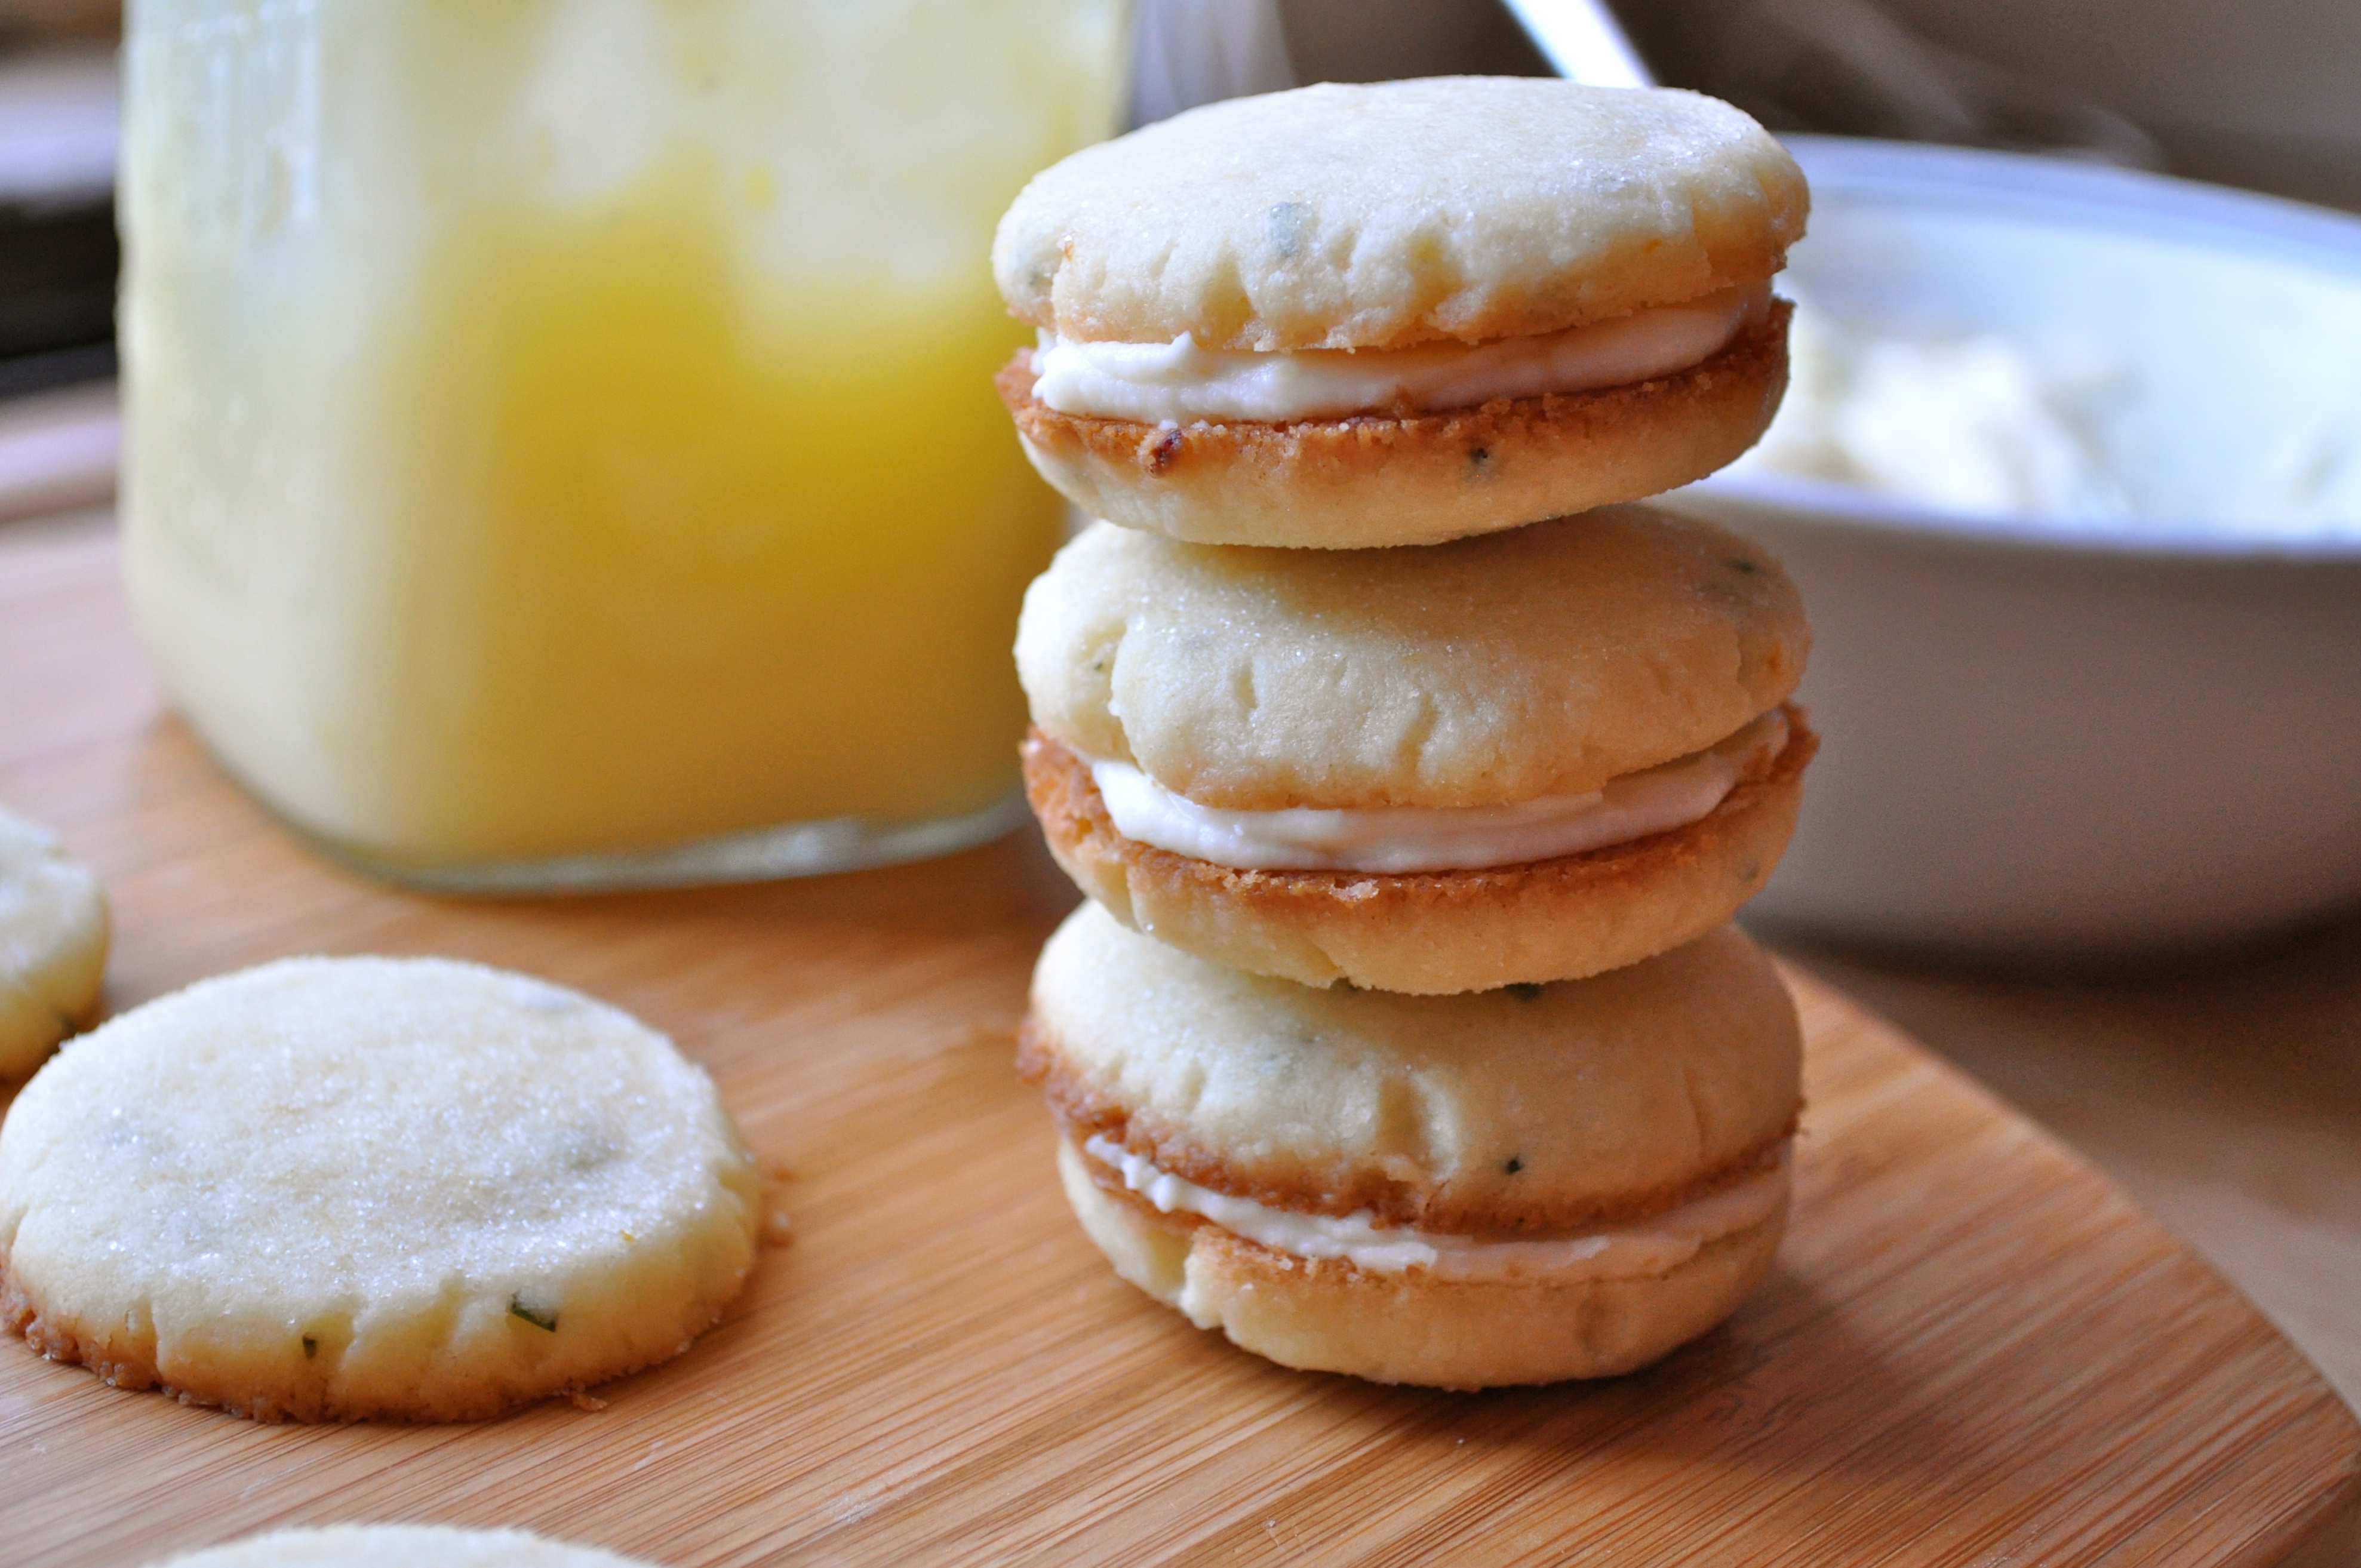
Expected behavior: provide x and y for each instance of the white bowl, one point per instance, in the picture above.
(2067, 740)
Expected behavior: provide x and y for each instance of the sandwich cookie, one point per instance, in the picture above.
(399, 1546)
(1522, 757)
(1359, 315)
(52, 944)
(350, 1189)
(1536, 1183)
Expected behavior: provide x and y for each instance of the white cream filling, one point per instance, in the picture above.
(1402, 838)
(1652, 1246)
(1180, 383)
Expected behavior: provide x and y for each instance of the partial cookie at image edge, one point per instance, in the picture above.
(54, 929)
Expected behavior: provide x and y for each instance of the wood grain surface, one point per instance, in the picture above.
(2224, 1092)
(1974, 1350)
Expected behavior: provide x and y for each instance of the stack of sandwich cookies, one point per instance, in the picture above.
(1346, 703)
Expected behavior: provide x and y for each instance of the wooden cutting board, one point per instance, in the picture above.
(1974, 1351)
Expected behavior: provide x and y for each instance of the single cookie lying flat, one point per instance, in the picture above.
(1523, 757)
(349, 1189)
(399, 1546)
(1537, 1183)
(52, 944)
(1361, 315)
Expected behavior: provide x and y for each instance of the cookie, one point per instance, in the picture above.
(53, 929)
(1543, 662)
(399, 1546)
(1515, 1187)
(1388, 214)
(357, 1188)
(1393, 314)
(1524, 757)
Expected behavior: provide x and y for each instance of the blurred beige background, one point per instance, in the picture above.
(2265, 93)
(31, 19)
(2259, 92)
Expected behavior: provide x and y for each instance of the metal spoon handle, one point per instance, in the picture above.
(1584, 42)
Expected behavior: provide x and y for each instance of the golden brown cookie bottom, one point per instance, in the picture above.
(251, 1381)
(1328, 1316)
(1085, 1107)
(1373, 480)
(1431, 932)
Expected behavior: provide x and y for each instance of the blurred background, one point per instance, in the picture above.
(57, 254)
(2259, 93)
(2223, 1088)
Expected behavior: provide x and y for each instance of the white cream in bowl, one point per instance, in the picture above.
(2120, 713)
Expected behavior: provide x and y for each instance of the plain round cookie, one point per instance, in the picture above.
(1502, 668)
(1432, 933)
(1369, 482)
(399, 1546)
(1530, 1109)
(1382, 215)
(53, 930)
(347, 1189)
(1327, 1316)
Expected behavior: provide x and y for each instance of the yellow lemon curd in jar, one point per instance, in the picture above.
(622, 498)
(783, 570)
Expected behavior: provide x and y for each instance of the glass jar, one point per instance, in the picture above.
(561, 447)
